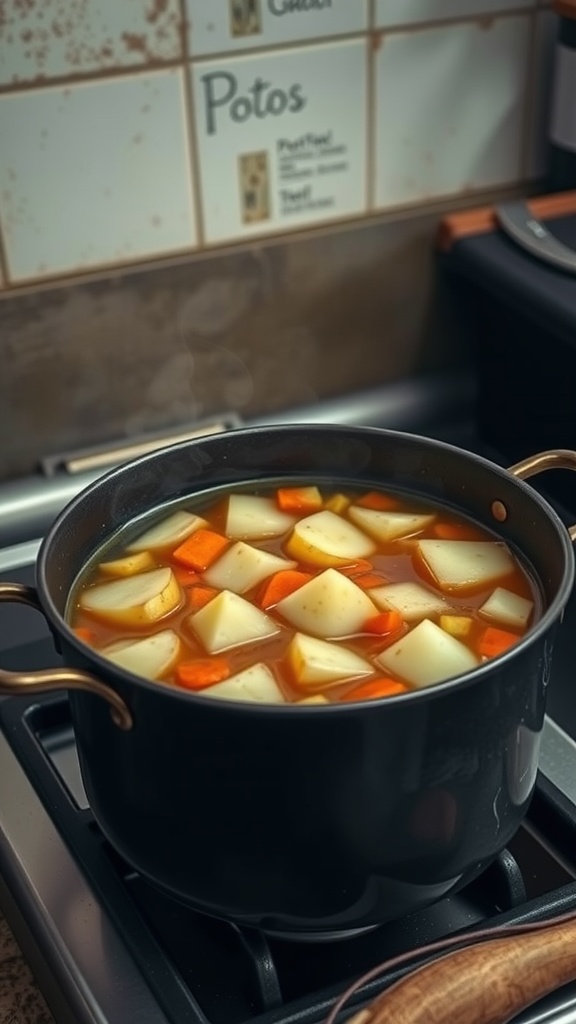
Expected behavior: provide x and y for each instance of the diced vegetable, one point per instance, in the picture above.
(456, 531)
(135, 600)
(379, 501)
(330, 605)
(299, 499)
(256, 683)
(168, 532)
(85, 634)
(201, 549)
(384, 623)
(369, 580)
(356, 568)
(314, 698)
(199, 596)
(202, 672)
(508, 608)
(495, 641)
(337, 503)
(386, 526)
(412, 600)
(465, 564)
(319, 663)
(151, 657)
(457, 625)
(325, 539)
(372, 689)
(250, 517)
(282, 583)
(242, 567)
(128, 566)
(427, 655)
(228, 621)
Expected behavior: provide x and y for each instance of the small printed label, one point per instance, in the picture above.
(245, 18)
(222, 25)
(254, 187)
(291, 129)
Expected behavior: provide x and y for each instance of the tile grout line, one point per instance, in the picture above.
(191, 133)
(5, 281)
(371, 107)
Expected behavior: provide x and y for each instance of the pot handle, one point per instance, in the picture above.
(45, 680)
(558, 458)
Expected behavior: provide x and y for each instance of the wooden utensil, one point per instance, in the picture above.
(499, 973)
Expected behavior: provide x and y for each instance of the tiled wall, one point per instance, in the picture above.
(134, 130)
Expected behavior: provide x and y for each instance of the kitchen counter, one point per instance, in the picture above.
(20, 998)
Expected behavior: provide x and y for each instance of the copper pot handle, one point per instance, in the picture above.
(45, 680)
(559, 458)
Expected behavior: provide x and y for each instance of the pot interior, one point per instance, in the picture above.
(328, 455)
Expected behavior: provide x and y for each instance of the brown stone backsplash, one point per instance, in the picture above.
(253, 330)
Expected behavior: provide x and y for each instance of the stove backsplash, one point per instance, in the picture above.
(231, 206)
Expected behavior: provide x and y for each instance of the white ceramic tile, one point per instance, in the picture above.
(449, 109)
(224, 25)
(94, 174)
(542, 73)
(281, 138)
(44, 38)
(408, 12)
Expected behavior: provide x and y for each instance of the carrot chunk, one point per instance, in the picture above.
(379, 502)
(200, 549)
(281, 584)
(385, 622)
(495, 641)
(298, 499)
(375, 688)
(85, 634)
(199, 596)
(456, 531)
(369, 580)
(197, 675)
(356, 568)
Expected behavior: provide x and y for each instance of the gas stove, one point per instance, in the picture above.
(106, 947)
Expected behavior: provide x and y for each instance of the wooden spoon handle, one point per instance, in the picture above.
(486, 983)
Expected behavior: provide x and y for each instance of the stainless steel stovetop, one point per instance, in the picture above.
(106, 947)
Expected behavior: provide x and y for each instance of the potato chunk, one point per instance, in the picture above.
(152, 657)
(330, 605)
(135, 600)
(128, 566)
(228, 620)
(318, 663)
(465, 564)
(507, 608)
(242, 567)
(386, 526)
(326, 539)
(427, 655)
(459, 626)
(249, 517)
(168, 532)
(412, 600)
(252, 684)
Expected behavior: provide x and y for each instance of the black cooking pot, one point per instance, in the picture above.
(308, 819)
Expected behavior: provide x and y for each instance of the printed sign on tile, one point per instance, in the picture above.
(281, 139)
(223, 25)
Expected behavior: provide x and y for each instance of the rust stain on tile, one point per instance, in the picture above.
(72, 39)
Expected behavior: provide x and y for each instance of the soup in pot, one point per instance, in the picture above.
(303, 594)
